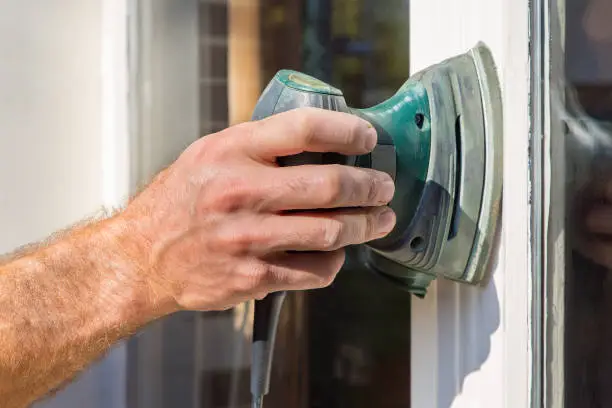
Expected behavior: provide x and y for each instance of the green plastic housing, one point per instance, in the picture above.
(440, 139)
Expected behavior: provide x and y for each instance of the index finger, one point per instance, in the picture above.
(310, 130)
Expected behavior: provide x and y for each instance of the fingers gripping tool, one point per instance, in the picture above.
(439, 138)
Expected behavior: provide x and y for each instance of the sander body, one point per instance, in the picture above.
(440, 139)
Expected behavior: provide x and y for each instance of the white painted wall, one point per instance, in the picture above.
(471, 346)
(50, 116)
(52, 149)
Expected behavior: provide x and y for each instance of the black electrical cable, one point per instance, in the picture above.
(267, 310)
(265, 324)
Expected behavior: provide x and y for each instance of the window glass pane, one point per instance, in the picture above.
(582, 46)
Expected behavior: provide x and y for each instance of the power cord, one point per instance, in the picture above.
(265, 324)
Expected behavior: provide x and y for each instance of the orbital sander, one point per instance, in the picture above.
(440, 139)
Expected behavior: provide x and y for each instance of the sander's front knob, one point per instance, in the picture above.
(291, 90)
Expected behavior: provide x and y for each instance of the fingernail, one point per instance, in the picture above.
(370, 136)
(386, 221)
(387, 191)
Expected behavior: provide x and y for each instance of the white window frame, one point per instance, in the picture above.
(476, 347)
(549, 20)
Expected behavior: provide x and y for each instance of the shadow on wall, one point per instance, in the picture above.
(462, 319)
(464, 334)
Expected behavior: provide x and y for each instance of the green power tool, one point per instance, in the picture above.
(440, 138)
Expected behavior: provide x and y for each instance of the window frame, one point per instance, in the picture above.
(548, 18)
(448, 326)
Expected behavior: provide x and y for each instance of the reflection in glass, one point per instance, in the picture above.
(587, 115)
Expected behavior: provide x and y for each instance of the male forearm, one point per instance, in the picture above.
(66, 303)
(222, 225)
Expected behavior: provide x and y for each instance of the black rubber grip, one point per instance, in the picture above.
(267, 312)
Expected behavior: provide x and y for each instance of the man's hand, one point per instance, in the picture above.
(225, 223)
(221, 225)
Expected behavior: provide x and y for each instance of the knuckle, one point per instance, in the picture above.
(200, 145)
(366, 189)
(233, 194)
(225, 202)
(305, 122)
(372, 185)
(198, 150)
(241, 243)
(212, 148)
(254, 278)
(228, 141)
(368, 226)
(245, 130)
(237, 243)
(332, 234)
(297, 185)
(353, 135)
(332, 188)
(260, 275)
